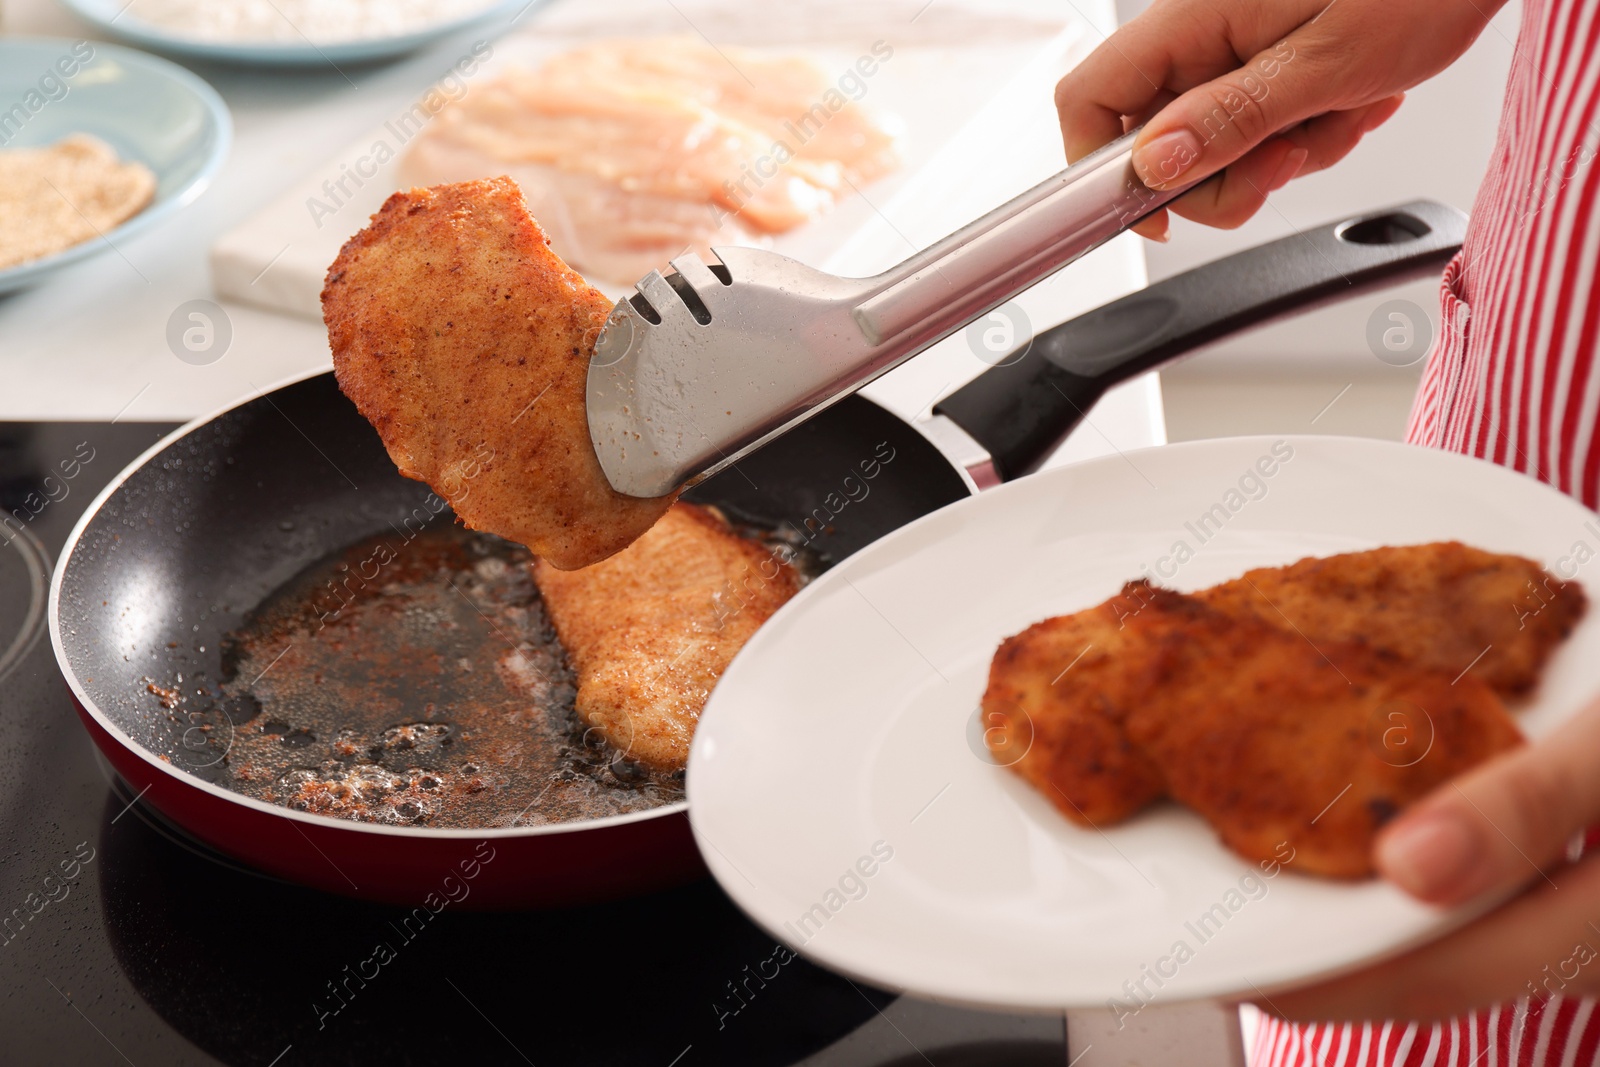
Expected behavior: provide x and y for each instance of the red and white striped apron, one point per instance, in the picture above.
(1555, 1031)
(1511, 378)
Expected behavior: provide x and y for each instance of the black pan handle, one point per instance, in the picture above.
(1022, 408)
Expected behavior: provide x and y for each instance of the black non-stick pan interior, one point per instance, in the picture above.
(203, 531)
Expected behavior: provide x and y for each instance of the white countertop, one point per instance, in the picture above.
(90, 343)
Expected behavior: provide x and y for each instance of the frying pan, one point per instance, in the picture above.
(201, 528)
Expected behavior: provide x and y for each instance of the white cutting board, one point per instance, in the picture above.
(969, 80)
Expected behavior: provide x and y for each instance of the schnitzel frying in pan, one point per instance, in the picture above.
(466, 341)
(1304, 704)
(650, 630)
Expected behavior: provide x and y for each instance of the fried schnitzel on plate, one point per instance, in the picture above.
(843, 791)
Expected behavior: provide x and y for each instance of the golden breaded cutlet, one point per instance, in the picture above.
(651, 629)
(1444, 606)
(1059, 692)
(465, 341)
(1273, 738)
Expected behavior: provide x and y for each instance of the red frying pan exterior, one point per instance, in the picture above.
(196, 521)
(492, 869)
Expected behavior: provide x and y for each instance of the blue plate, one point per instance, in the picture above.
(114, 17)
(151, 111)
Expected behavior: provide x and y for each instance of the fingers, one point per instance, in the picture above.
(1329, 138)
(1095, 95)
(1237, 193)
(1217, 123)
(1085, 125)
(1541, 942)
(1315, 67)
(1229, 199)
(1179, 62)
(1156, 226)
(1500, 825)
(1173, 46)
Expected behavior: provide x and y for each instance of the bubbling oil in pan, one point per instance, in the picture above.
(419, 682)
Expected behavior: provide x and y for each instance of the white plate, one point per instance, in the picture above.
(115, 17)
(848, 723)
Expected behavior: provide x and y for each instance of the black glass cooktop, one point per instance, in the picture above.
(124, 942)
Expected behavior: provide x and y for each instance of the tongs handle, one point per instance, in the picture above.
(992, 259)
(1023, 407)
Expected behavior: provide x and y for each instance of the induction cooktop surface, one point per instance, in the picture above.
(124, 941)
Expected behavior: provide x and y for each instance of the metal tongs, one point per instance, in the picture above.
(708, 362)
